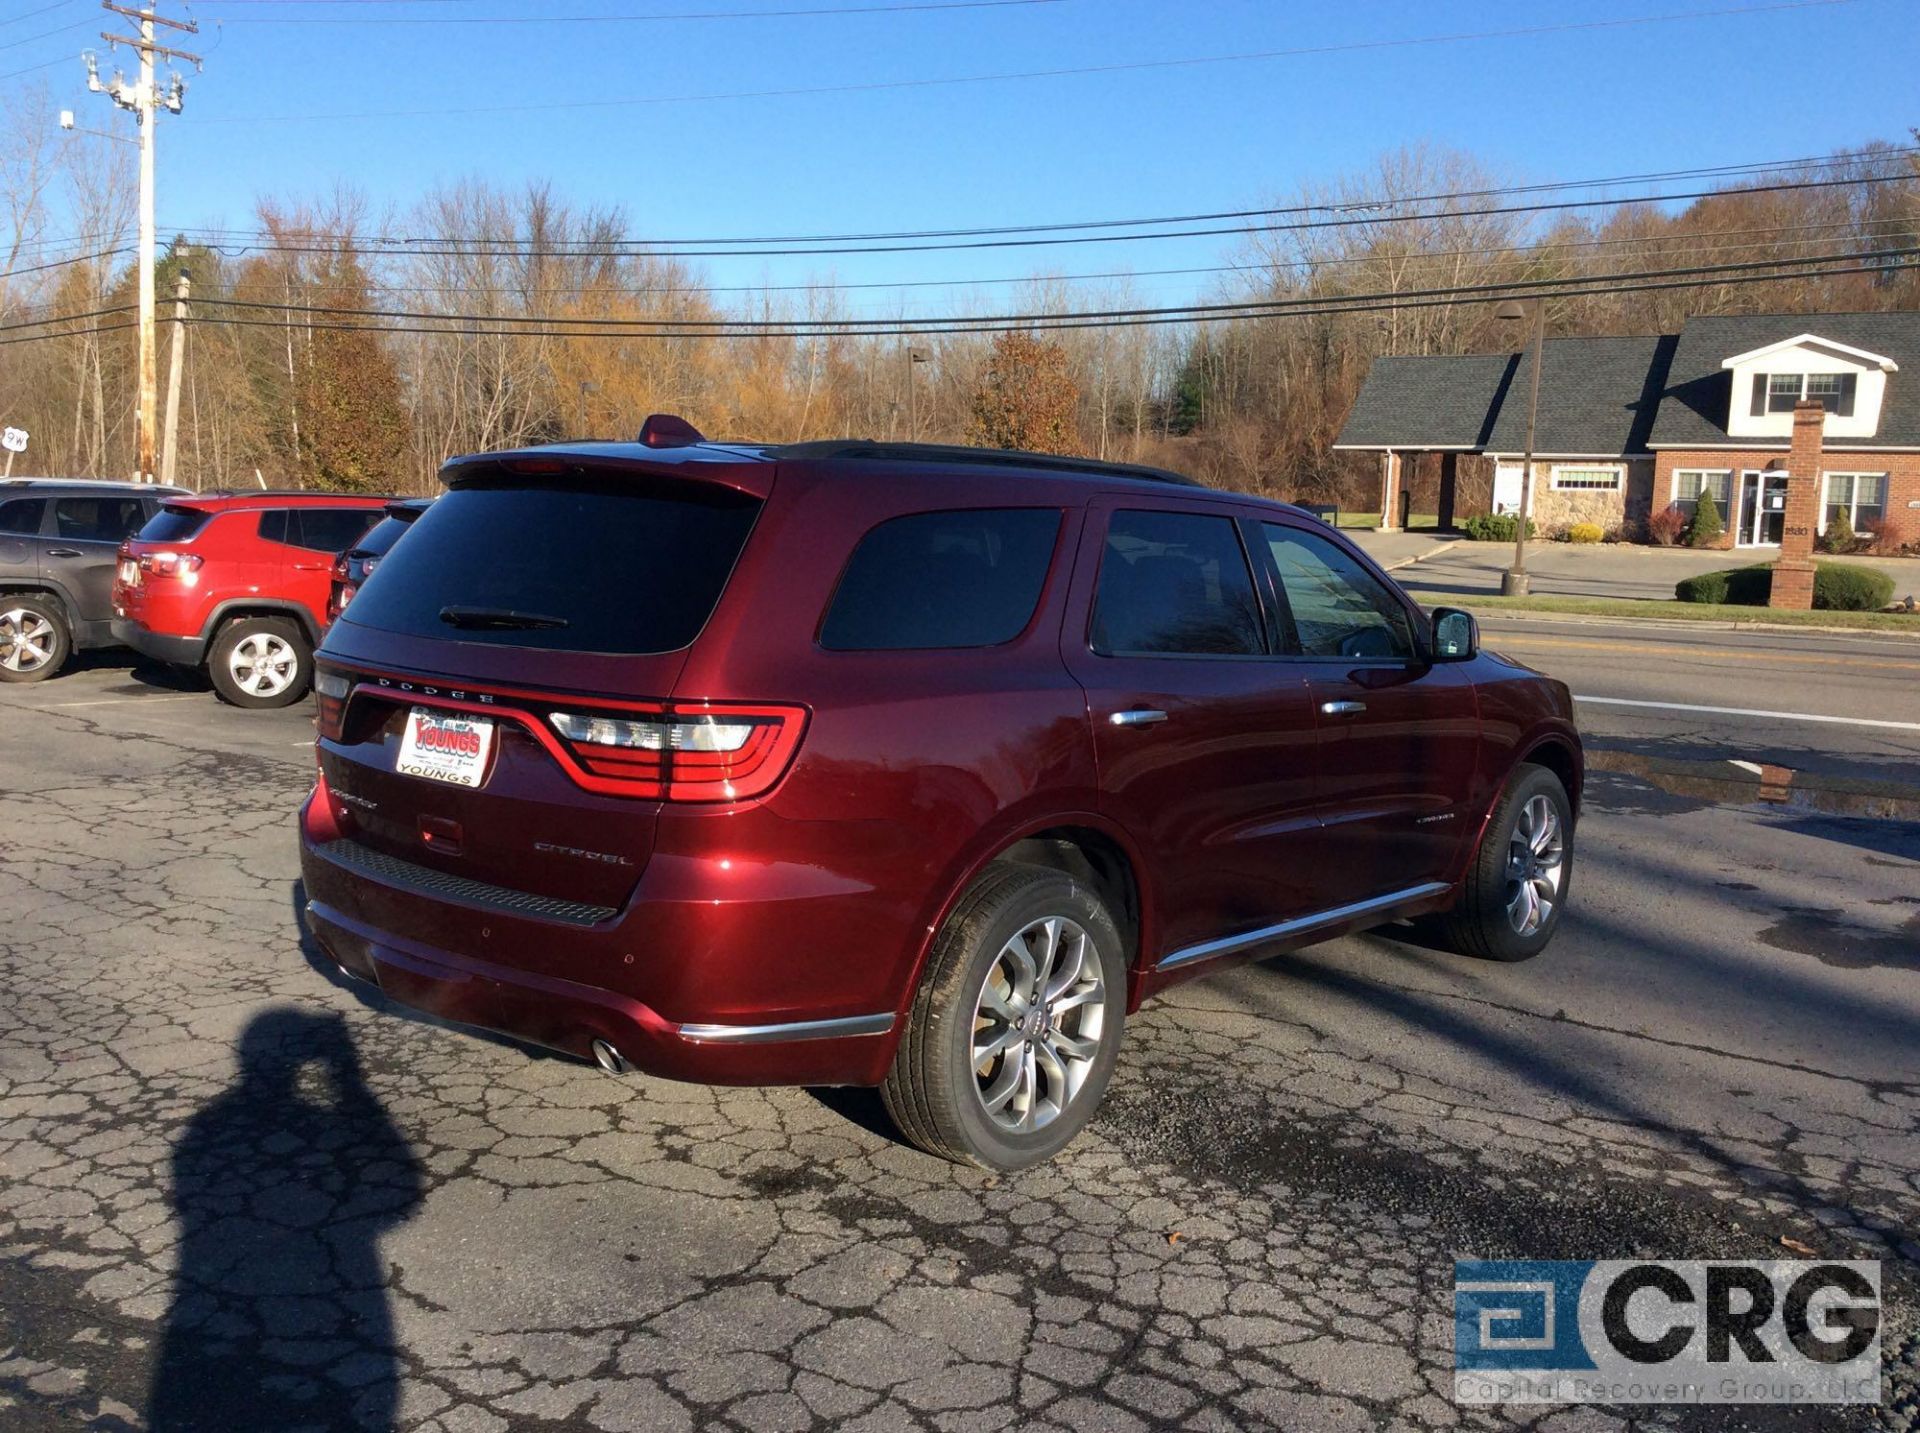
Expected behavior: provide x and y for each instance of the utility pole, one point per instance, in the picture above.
(1514, 582)
(181, 288)
(145, 102)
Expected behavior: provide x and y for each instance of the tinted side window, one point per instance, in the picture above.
(21, 516)
(1175, 582)
(943, 579)
(1339, 608)
(98, 519)
(273, 525)
(330, 529)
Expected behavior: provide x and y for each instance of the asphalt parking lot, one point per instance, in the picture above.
(237, 1192)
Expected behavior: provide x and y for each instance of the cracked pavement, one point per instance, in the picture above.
(236, 1192)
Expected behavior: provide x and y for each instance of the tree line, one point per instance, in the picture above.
(506, 344)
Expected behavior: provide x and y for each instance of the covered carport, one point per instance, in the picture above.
(1422, 413)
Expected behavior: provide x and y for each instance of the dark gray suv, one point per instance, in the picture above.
(59, 539)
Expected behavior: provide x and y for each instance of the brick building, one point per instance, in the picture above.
(1630, 425)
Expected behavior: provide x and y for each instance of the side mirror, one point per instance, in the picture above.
(1456, 635)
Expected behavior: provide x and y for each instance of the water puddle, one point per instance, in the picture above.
(1749, 783)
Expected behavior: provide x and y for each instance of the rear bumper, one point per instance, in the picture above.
(162, 647)
(356, 918)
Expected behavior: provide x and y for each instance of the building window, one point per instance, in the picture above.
(1861, 496)
(1587, 480)
(1689, 483)
(1783, 391)
(1833, 391)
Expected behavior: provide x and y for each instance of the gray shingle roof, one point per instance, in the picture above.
(1698, 390)
(1597, 396)
(1439, 401)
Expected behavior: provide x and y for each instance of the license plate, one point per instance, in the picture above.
(444, 746)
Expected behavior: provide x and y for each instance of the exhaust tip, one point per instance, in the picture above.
(610, 1059)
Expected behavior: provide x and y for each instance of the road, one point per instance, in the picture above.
(237, 1193)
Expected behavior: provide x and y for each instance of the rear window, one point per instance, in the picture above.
(380, 541)
(967, 578)
(173, 524)
(629, 568)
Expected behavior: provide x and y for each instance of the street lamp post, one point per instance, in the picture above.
(914, 355)
(1513, 582)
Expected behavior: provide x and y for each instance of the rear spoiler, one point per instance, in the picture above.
(616, 462)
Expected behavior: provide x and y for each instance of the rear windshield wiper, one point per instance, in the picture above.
(498, 618)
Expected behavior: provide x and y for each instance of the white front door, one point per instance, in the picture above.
(1506, 487)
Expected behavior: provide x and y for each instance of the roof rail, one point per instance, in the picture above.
(985, 457)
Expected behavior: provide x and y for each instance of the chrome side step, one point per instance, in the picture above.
(1300, 925)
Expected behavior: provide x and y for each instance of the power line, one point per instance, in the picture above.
(1176, 313)
(1694, 244)
(1359, 207)
(1134, 66)
(1362, 210)
(1590, 287)
(658, 17)
(67, 318)
(78, 333)
(462, 249)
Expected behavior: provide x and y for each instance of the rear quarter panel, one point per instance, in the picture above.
(917, 766)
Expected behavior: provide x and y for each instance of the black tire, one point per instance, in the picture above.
(933, 1091)
(1481, 924)
(280, 657)
(29, 625)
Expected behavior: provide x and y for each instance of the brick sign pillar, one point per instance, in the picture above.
(1793, 573)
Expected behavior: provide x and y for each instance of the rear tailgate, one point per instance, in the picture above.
(517, 597)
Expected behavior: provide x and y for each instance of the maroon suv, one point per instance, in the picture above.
(845, 763)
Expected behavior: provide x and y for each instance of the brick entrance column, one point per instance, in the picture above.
(1793, 573)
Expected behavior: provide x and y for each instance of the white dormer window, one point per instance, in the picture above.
(1767, 383)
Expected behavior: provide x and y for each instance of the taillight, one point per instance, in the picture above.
(330, 703)
(689, 751)
(339, 569)
(171, 564)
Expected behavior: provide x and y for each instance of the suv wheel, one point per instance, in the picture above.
(1013, 1034)
(261, 662)
(34, 641)
(1516, 890)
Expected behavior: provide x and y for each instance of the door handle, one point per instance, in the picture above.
(1342, 708)
(1139, 716)
(62, 552)
(311, 566)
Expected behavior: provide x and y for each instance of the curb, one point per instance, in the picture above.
(1434, 551)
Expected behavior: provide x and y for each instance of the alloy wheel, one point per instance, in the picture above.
(26, 640)
(263, 665)
(1536, 866)
(1037, 1024)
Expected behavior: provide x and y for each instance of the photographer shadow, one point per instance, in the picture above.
(283, 1186)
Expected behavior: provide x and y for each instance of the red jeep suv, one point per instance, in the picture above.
(238, 583)
(848, 763)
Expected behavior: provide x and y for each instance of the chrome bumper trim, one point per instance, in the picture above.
(799, 1030)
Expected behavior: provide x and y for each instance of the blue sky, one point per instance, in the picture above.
(1722, 88)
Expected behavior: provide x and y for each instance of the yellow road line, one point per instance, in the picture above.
(1683, 649)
